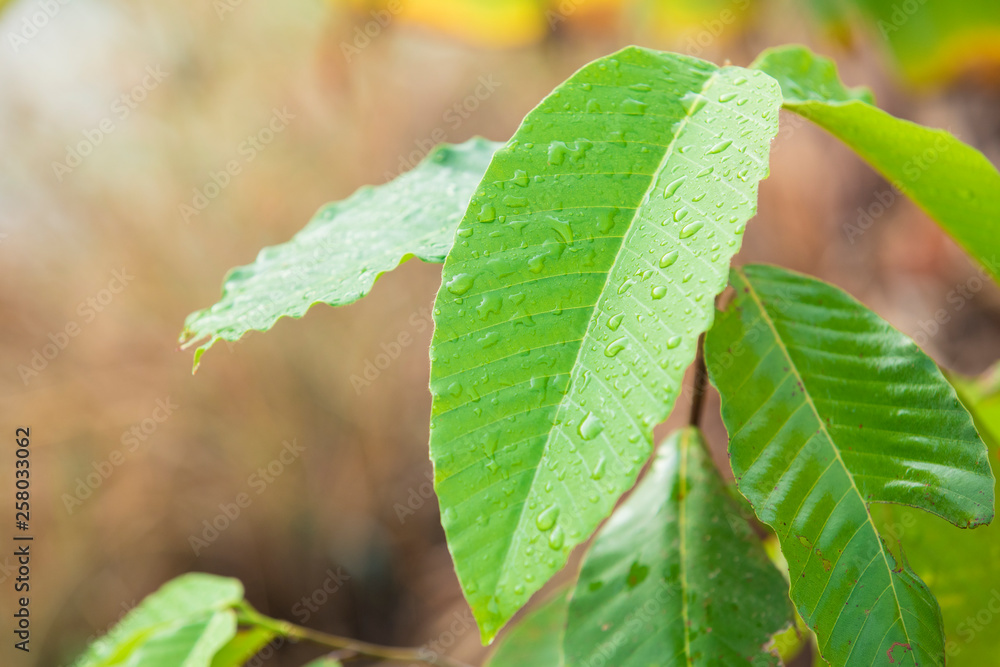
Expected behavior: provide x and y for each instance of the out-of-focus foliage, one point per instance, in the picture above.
(952, 181)
(931, 41)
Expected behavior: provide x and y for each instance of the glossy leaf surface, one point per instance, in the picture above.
(830, 409)
(677, 576)
(343, 250)
(954, 183)
(581, 277)
(961, 569)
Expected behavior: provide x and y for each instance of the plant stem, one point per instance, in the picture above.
(700, 384)
(251, 616)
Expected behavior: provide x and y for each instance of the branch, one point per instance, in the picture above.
(700, 384)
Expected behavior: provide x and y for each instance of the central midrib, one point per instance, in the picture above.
(668, 153)
(766, 317)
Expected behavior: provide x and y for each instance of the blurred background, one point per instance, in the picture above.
(115, 116)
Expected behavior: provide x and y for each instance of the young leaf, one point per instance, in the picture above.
(581, 277)
(829, 409)
(343, 250)
(184, 612)
(677, 576)
(191, 644)
(537, 638)
(954, 183)
(245, 645)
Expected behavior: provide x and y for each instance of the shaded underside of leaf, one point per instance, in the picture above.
(829, 409)
(954, 183)
(571, 304)
(191, 597)
(343, 250)
(677, 576)
(537, 638)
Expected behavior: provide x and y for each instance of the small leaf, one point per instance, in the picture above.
(537, 638)
(192, 644)
(344, 249)
(677, 576)
(183, 610)
(830, 409)
(245, 645)
(954, 183)
(583, 273)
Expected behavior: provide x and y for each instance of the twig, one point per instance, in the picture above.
(700, 384)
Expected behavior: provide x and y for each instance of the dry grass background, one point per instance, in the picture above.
(334, 507)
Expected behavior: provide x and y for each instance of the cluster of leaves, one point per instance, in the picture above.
(582, 263)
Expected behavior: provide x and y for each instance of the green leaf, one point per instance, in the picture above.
(537, 638)
(961, 568)
(830, 409)
(183, 610)
(581, 277)
(932, 42)
(347, 245)
(954, 183)
(245, 645)
(192, 644)
(677, 576)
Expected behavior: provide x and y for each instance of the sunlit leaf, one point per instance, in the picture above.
(954, 183)
(581, 277)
